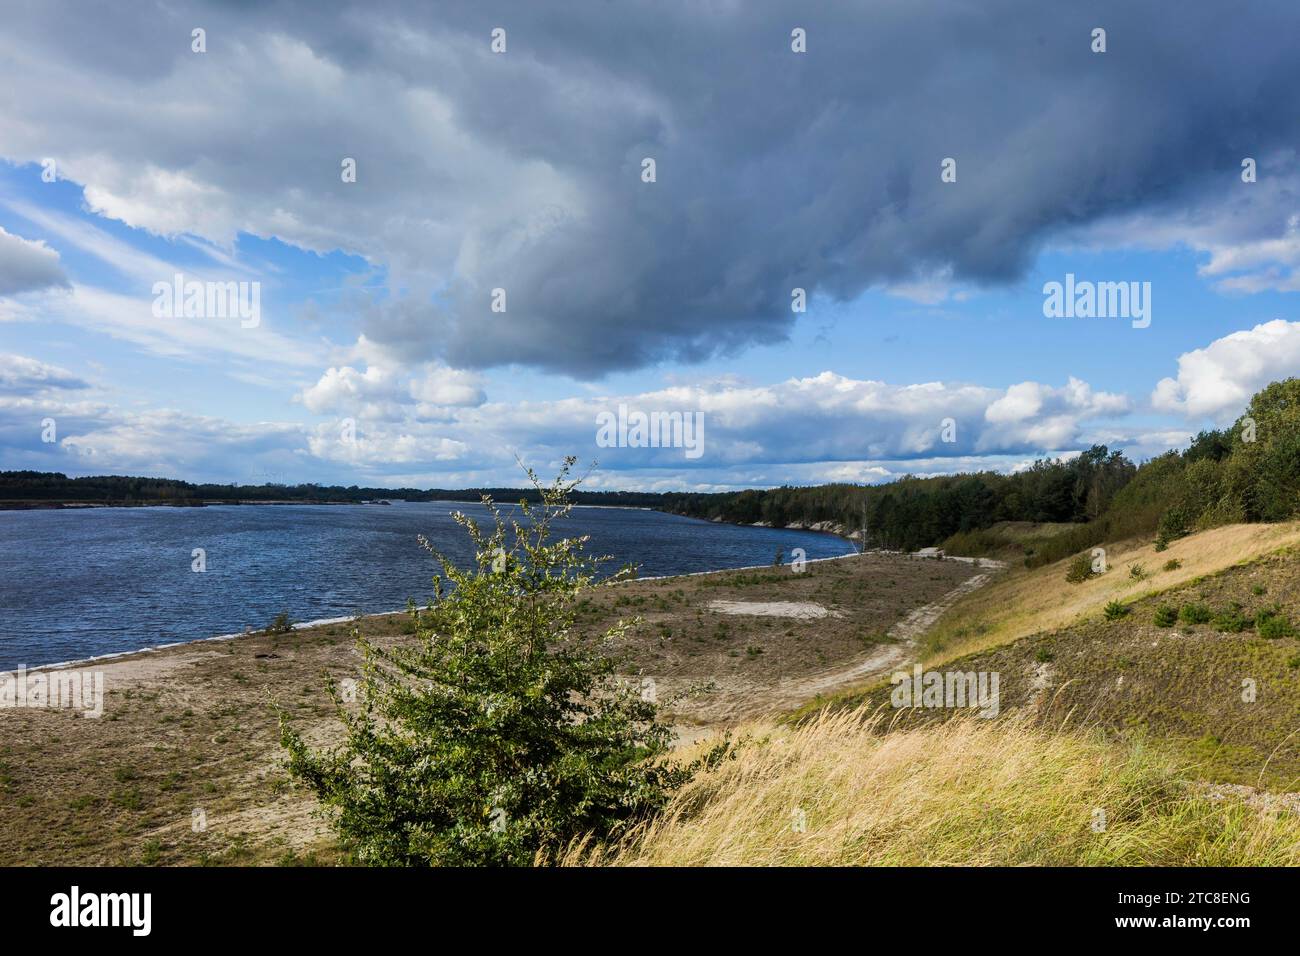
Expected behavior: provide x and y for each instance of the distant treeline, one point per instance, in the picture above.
(38, 487)
(913, 513)
(1247, 472)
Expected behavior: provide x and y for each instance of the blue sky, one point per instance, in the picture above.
(376, 358)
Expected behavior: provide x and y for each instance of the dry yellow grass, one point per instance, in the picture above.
(1030, 602)
(837, 791)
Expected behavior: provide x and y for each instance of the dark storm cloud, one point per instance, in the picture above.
(775, 170)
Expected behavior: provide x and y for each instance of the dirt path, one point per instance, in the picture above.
(747, 699)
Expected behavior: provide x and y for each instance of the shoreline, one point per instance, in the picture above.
(834, 530)
(347, 619)
(156, 648)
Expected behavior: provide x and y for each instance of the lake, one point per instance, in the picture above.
(77, 583)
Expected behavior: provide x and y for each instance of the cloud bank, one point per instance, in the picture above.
(521, 170)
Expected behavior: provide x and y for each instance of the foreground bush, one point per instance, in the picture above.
(838, 791)
(496, 733)
(1079, 570)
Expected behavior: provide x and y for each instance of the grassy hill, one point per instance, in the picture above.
(1199, 659)
(1041, 599)
(840, 791)
(1122, 739)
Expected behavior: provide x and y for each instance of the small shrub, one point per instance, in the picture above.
(1137, 572)
(1166, 615)
(1231, 620)
(1174, 524)
(280, 624)
(494, 735)
(1173, 564)
(1194, 614)
(1044, 656)
(150, 852)
(128, 799)
(1272, 624)
(1080, 569)
(1115, 610)
(1259, 590)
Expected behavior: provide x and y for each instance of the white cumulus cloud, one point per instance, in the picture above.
(1218, 380)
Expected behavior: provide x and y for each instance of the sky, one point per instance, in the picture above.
(467, 231)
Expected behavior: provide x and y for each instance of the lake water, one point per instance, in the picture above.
(80, 583)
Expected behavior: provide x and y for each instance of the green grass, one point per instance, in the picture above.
(1115, 610)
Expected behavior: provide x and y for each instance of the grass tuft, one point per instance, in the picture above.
(842, 790)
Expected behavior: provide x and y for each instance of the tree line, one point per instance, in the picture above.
(34, 488)
(1246, 472)
(912, 513)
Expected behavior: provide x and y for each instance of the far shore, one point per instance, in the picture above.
(81, 505)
